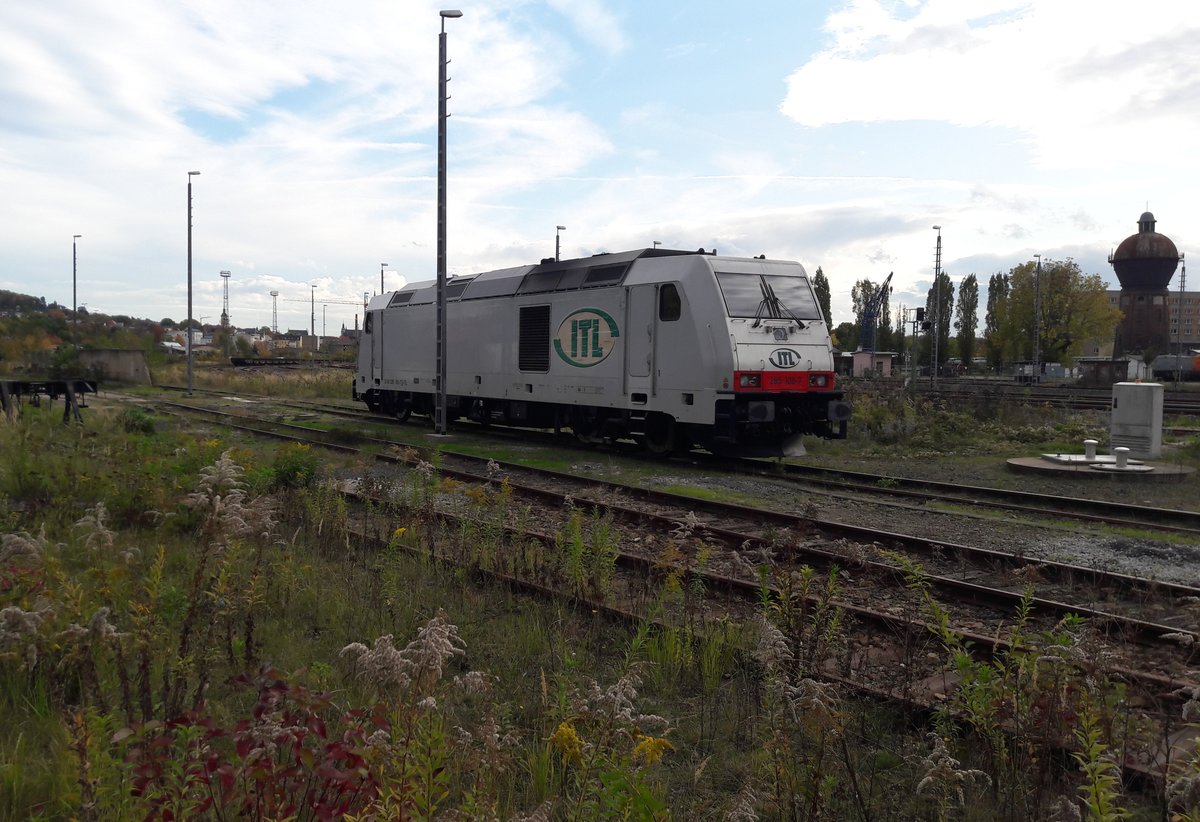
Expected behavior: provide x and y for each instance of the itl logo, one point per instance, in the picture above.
(784, 358)
(586, 337)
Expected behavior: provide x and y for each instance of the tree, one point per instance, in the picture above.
(899, 338)
(939, 308)
(820, 284)
(1074, 309)
(998, 290)
(966, 316)
(845, 336)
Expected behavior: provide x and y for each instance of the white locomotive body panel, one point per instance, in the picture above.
(665, 346)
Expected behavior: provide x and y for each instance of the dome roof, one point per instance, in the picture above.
(1145, 260)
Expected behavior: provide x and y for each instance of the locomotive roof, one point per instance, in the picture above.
(551, 275)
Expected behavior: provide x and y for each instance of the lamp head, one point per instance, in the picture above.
(450, 13)
(76, 236)
(193, 173)
(937, 228)
(561, 227)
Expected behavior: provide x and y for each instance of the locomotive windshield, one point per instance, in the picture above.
(757, 296)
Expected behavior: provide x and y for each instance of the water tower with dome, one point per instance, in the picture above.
(1144, 264)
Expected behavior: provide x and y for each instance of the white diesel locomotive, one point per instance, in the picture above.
(671, 348)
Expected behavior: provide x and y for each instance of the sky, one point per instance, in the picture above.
(837, 134)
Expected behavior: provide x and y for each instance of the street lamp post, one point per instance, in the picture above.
(74, 292)
(1035, 378)
(313, 301)
(439, 418)
(191, 174)
(657, 243)
(382, 266)
(557, 229)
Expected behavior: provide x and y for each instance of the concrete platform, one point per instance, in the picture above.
(1162, 472)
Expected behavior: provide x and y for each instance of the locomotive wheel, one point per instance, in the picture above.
(662, 436)
(583, 428)
(403, 413)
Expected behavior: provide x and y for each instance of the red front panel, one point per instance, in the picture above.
(777, 381)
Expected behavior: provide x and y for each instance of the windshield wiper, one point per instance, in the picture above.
(779, 311)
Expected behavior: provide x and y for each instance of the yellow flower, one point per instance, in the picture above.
(567, 740)
(399, 532)
(650, 749)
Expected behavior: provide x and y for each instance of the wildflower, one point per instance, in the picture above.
(685, 529)
(617, 702)
(539, 814)
(417, 667)
(566, 739)
(399, 532)
(473, 682)
(17, 627)
(379, 740)
(99, 628)
(741, 565)
(1065, 809)
(231, 513)
(743, 806)
(812, 702)
(437, 641)
(427, 704)
(1191, 707)
(425, 469)
(1183, 793)
(762, 555)
(99, 535)
(944, 779)
(380, 666)
(15, 547)
(773, 651)
(650, 749)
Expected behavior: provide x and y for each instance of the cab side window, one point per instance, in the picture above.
(670, 306)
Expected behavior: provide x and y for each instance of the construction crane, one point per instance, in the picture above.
(870, 319)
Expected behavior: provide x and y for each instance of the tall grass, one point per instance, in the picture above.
(234, 650)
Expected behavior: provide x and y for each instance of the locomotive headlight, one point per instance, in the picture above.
(819, 380)
(749, 380)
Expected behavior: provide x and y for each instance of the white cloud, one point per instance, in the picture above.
(1085, 81)
(593, 21)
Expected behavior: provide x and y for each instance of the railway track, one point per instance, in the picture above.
(1123, 606)
(844, 484)
(1117, 514)
(1186, 403)
(1141, 628)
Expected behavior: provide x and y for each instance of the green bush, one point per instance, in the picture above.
(294, 466)
(136, 421)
